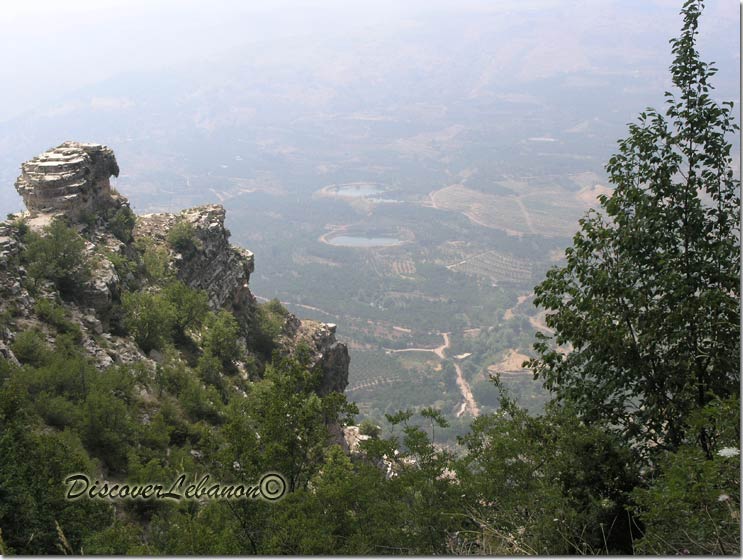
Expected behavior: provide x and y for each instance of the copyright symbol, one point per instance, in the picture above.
(273, 486)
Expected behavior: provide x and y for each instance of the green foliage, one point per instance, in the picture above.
(692, 506)
(87, 217)
(282, 424)
(20, 224)
(29, 348)
(107, 428)
(155, 261)
(124, 266)
(190, 306)
(182, 238)
(118, 539)
(640, 452)
(150, 318)
(122, 223)
(220, 337)
(369, 428)
(32, 466)
(54, 314)
(546, 485)
(269, 321)
(58, 256)
(649, 297)
(210, 371)
(351, 510)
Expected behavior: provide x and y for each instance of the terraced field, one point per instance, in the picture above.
(550, 212)
(495, 266)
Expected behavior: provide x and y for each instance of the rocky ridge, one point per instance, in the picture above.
(73, 181)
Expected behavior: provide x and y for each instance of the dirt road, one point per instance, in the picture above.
(469, 405)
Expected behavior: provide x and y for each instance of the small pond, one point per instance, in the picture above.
(358, 190)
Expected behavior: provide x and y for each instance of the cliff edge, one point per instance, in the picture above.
(124, 254)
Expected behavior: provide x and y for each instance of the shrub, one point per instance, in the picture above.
(156, 263)
(124, 266)
(30, 348)
(270, 318)
(122, 224)
(190, 306)
(182, 238)
(150, 318)
(54, 314)
(369, 428)
(209, 369)
(106, 429)
(220, 337)
(59, 256)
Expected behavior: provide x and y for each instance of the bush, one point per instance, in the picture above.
(191, 306)
(369, 428)
(124, 266)
(106, 429)
(54, 314)
(221, 337)
(155, 261)
(59, 256)
(150, 318)
(29, 347)
(209, 369)
(122, 224)
(692, 505)
(270, 318)
(182, 238)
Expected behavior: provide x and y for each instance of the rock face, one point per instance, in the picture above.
(71, 179)
(221, 269)
(331, 355)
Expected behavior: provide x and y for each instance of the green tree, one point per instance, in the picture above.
(281, 425)
(692, 504)
(190, 306)
(33, 466)
(29, 347)
(122, 223)
(155, 260)
(545, 485)
(150, 318)
(58, 255)
(221, 333)
(646, 309)
(182, 238)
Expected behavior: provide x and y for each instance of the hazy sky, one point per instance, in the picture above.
(50, 47)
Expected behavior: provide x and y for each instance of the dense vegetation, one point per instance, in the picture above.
(637, 453)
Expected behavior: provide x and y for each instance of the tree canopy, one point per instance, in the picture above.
(646, 309)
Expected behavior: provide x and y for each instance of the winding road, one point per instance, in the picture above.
(468, 406)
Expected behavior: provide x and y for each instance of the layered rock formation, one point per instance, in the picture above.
(221, 269)
(72, 178)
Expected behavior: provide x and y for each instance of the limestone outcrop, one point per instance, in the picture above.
(331, 355)
(213, 264)
(72, 178)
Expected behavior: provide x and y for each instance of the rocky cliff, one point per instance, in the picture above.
(72, 182)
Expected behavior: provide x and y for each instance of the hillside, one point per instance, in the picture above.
(534, 355)
(128, 346)
(123, 254)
